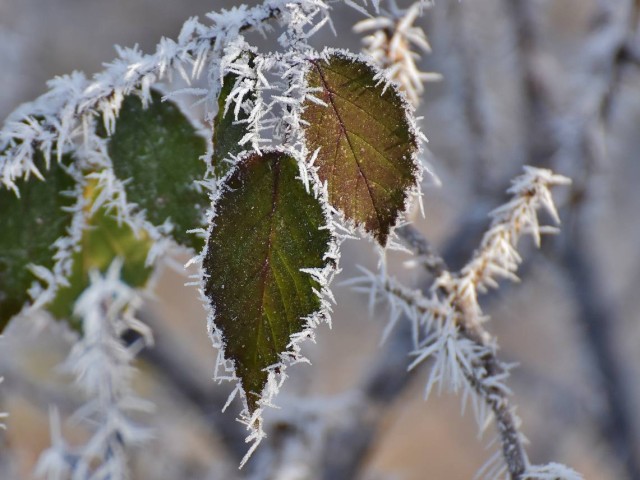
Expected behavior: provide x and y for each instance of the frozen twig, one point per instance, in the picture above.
(421, 248)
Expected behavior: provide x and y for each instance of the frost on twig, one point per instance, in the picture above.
(447, 324)
(101, 364)
(392, 46)
(50, 123)
(497, 257)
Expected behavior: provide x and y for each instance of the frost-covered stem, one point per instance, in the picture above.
(510, 437)
(395, 44)
(102, 366)
(497, 258)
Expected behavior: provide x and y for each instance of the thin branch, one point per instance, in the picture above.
(469, 92)
(536, 87)
(421, 247)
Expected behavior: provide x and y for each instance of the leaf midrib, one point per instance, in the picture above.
(346, 136)
(267, 264)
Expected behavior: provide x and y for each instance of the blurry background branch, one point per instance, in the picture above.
(578, 147)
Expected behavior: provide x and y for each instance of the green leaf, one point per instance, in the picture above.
(29, 226)
(159, 150)
(102, 241)
(266, 228)
(366, 142)
(227, 132)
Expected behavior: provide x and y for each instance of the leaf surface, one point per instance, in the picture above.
(102, 241)
(266, 228)
(29, 226)
(159, 150)
(366, 142)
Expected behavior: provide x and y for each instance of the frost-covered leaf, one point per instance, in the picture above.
(159, 150)
(367, 144)
(266, 229)
(102, 241)
(228, 129)
(29, 226)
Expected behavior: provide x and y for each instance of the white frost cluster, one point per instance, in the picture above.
(435, 336)
(391, 44)
(101, 364)
(52, 121)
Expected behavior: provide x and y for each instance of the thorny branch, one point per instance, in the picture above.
(489, 261)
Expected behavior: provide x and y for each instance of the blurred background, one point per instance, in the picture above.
(545, 82)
